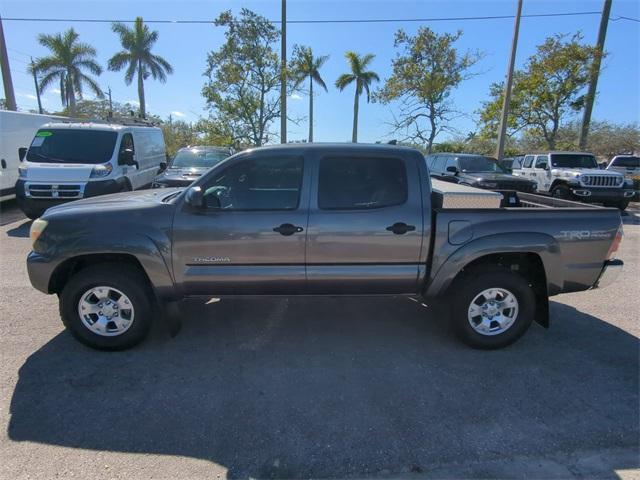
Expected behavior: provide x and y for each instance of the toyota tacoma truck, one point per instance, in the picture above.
(576, 176)
(319, 220)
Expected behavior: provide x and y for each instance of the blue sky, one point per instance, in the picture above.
(186, 46)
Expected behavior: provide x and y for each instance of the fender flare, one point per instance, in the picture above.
(544, 246)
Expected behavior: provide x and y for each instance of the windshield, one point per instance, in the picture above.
(628, 162)
(573, 160)
(479, 164)
(198, 158)
(65, 145)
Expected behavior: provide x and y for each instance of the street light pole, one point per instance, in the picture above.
(502, 133)
(283, 75)
(9, 96)
(595, 73)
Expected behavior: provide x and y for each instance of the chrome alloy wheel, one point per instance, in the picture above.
(493, 311)
(106, 311)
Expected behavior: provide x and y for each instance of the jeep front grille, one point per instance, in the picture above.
(601, 180)
(49, 190)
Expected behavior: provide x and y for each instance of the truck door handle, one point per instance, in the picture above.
(287, 229)
(400, 228)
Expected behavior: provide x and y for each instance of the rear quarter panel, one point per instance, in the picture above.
(572, 243)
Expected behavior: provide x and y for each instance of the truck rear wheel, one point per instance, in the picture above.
(491, 307)
(107, 308)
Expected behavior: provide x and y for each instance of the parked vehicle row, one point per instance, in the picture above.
(322, 220)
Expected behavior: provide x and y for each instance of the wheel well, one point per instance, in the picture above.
(557, 182)
(530, 266)
(70, 267)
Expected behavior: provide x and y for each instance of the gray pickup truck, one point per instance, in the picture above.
(319, 220)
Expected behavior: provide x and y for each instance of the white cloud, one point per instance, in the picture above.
(53, 91)
(178, 114)
(133, 102)
(27, 95)
(295, 96)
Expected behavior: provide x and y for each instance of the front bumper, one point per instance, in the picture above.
(40, 268)
(609, 274)
(36, 206)
(591, 194)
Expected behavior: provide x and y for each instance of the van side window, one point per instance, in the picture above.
(348, 183)
(528, 160)
(126, 143)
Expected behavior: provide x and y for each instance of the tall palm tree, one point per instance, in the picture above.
(68, 59)
(304, 66)
(363, 79)
(137, 57)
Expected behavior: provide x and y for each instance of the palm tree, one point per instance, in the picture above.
(68, 59)
(363, 80)
(137, 57)
(304, 66)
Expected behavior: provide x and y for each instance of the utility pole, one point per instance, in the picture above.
(35, 81)
(110, 103)
(502, 133)
(9, 96)
(595, 73)
(283, 75)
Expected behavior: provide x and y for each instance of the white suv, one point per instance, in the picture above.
(576, 176)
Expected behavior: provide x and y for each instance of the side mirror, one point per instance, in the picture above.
(195, 197)
(126, 157)
(163, 167)
(452, 169)
(543, 166)
(22, 152)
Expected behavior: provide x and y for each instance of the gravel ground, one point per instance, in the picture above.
(294, 387)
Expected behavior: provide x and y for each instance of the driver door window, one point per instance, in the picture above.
(257, 184)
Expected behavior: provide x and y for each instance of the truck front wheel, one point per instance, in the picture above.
(107, 307)
(491, 307)
(561, 191)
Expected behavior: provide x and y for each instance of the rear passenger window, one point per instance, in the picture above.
(528, 160)
(348, 183)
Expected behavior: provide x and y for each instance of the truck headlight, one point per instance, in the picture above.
(22, 172)
(101, 170)
(37, 227)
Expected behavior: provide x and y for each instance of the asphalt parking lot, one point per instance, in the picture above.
(290, 388)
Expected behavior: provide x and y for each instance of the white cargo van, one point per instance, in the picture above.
(68, 161)
(16, 130)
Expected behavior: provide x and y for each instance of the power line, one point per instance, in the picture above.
(353, 20)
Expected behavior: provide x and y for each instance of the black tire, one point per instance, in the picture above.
(562, 192)
(465, 289)
(129, 281)
(623, 204)
(32, 215)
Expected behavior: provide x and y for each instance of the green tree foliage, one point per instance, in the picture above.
(136, 56)
(548, 91)
(179, 134)
(66, 66)
(242, 90)
(426, 70)
(363, 79)
(305, 65)
(605, 139)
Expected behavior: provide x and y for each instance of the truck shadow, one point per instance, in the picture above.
(21, 231)
(286, 388)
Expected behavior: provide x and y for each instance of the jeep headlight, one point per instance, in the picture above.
(22, 171)
(101, 170)
(37, 227)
